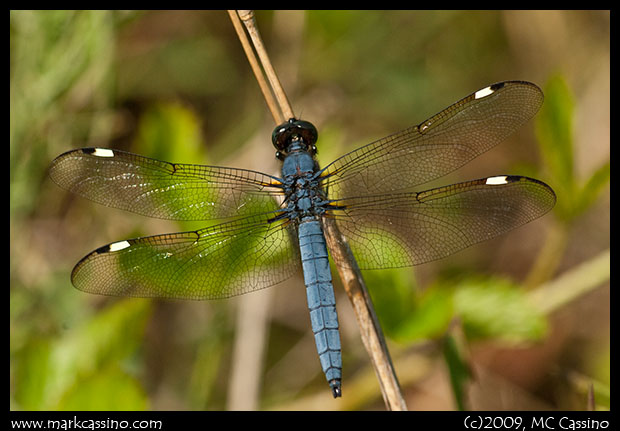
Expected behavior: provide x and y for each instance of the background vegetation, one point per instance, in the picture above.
(519, 322)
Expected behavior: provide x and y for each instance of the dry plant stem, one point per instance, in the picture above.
(278, 117)
(549, 257)
(370, 330)
(572, 284)
(591, 405)
(247, 16)
(351, 277)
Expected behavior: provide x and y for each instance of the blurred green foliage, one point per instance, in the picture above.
(554, 130)
(490, 308)
(175, 85)
(170, 131)
(63, 373)
(458, 362)
(497, 308)
(58, 59)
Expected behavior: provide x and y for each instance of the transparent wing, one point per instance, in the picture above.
(165, 190)
(404, 229)
(437, 146)
(217, 262)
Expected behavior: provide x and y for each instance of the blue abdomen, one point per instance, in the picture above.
(321, 300)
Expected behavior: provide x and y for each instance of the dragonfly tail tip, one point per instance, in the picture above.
(336, 389)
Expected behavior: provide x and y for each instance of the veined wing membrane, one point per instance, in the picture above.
(437, 146)
(404, 229)
(216, 262)
(165, 190)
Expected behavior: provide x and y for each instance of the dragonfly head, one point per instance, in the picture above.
(302, 133)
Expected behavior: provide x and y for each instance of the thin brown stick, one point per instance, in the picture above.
(277, 114)
(590, 403)
(247, 16)
(370, 330)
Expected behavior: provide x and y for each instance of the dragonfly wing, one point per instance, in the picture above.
(437, 146)
(216, 262)
(404, 229)
(165, 190)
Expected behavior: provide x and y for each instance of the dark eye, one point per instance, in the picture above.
(282, 134)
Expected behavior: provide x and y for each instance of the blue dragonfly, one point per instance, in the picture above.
(272, 225)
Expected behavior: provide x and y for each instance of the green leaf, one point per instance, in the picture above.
(592, 188)
(112, 335)
(554, 126)
(32, 375)
(458, 365)
(48, 368)
(554, 130)
(393, 296)
(170, 132)
(497, 308)
(430, 317)
(110, 389)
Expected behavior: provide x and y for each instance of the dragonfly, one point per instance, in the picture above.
(270, 226)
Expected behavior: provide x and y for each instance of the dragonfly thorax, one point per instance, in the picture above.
(305, 201)
(304, 196)
(297, 163)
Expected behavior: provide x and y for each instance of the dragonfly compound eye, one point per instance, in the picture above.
(284, 133)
